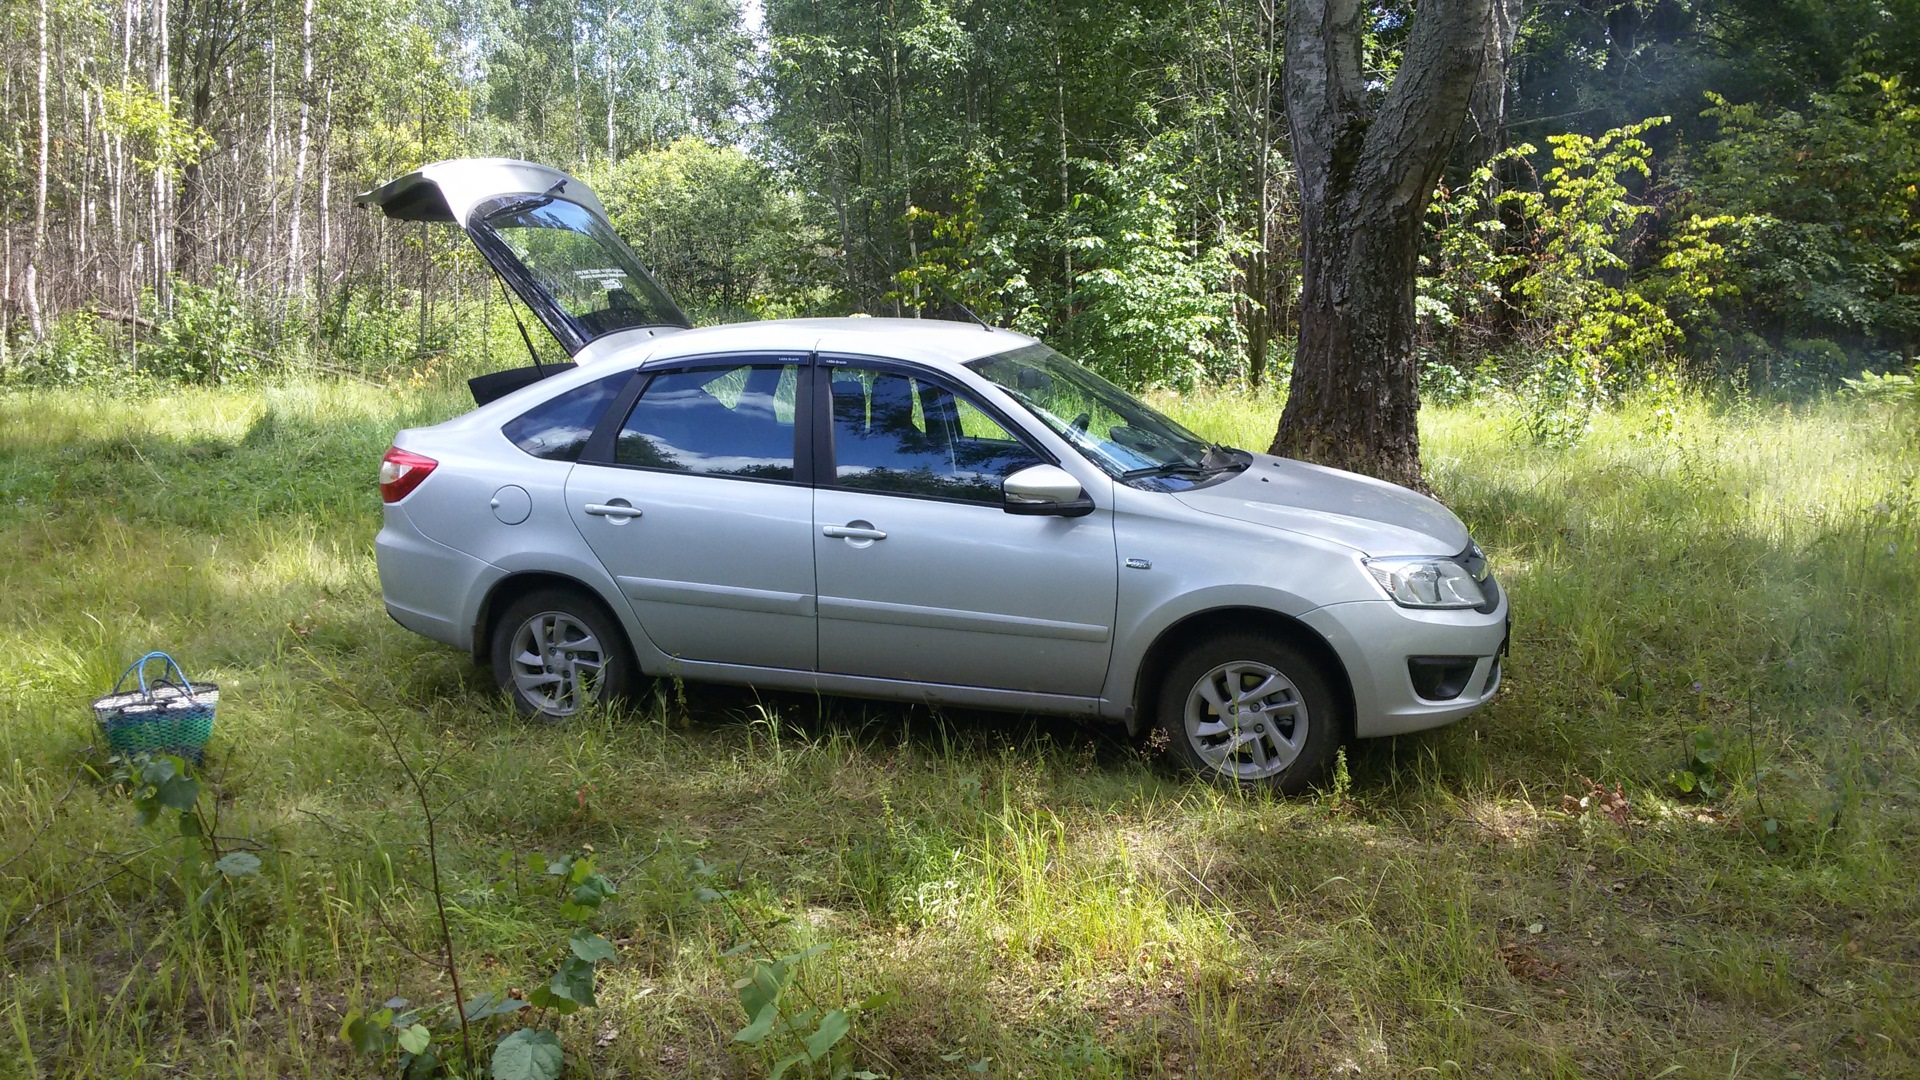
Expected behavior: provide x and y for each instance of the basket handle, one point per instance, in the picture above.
(140, 666)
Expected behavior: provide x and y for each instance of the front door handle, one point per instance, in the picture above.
(620, 510)
(851, 532)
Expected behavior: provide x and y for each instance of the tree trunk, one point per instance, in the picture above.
(32, 289)
(1486, 133)
(296, 273)
(1366, 176)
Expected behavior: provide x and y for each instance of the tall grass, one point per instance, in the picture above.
(1734, 581)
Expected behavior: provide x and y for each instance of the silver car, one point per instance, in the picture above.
(908, 509)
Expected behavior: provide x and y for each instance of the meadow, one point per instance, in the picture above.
(1684, 842)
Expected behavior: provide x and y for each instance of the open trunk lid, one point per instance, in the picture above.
(548, 237)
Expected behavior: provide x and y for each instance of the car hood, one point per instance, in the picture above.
(1371, 516)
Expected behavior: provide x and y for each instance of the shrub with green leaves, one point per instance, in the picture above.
(79, 350)
(205, 334)
(1832, 190)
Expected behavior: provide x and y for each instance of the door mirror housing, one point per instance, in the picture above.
(1045, 490)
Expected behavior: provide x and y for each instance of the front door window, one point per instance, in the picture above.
(905, 436)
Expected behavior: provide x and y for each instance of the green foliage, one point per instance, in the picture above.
(528, 1055)
(429, 1041)
(1586, 318)
(79, 350)
(205, 334)
(1151, 307)
(1556, 261)
(1890, 388)
(1147, 305)
(973, 255)
(163, 787)
(1701, 776)
(726, 239)
(1831, 191)
(785, 1024)
(162, 142)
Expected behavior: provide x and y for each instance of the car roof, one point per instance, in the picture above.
(934, 342)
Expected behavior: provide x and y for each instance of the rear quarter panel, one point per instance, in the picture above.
(453, 507)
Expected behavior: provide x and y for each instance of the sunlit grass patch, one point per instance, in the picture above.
(1715, 618)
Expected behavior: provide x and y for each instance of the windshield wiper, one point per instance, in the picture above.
(1172, 468)
(527, 202)
(1217, 459)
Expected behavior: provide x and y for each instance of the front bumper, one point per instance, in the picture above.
(1376, 638)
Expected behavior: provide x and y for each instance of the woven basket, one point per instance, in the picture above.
(164, 717)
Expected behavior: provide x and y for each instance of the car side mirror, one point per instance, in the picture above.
(1045, 490)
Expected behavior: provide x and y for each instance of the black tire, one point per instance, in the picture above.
(1276, 754)
(603, 671)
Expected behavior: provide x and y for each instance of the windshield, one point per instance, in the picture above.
(1124, 436)
(574, 267)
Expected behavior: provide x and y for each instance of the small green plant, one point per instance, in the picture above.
(528, 1052)
(795, 1035)
(163, 787)
(1892, 387)
(1339, 796)
(1702, 777)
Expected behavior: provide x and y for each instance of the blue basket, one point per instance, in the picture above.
(164, 717)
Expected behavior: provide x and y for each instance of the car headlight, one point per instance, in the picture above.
(1424, 581)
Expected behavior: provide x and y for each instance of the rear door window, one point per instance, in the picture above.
(718, 421)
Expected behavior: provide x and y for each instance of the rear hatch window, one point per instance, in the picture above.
(579, 278)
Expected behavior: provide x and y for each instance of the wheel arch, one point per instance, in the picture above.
(1177, 638)
(516, 585)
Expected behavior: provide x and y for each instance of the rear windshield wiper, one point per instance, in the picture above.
(527, 202)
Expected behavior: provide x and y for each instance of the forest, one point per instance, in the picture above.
(1720, 192)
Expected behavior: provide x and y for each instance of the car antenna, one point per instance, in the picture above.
(955, 301)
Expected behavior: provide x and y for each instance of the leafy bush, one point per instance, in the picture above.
(1830, 191)
(78, 350)
(204, 333)
(727, 241)
(1553, 262)
(1150, 308)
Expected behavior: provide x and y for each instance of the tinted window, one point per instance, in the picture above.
(894, 433)
(557, 428)
(723, 422)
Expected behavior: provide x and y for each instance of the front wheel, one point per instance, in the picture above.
(555, 652)
(1251, 710)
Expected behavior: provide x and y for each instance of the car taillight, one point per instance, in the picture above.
(401, 472)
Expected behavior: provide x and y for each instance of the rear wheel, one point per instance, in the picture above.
(556, 651)
(1251, 710)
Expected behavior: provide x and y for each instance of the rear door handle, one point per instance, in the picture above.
(849, 532)
(613, 510)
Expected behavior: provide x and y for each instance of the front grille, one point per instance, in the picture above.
(1474, 562)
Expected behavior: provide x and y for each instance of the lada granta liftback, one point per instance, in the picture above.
(906, 509)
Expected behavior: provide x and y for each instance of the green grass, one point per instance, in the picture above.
(1032, 892)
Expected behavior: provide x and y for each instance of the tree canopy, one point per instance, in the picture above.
(1721, 190)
